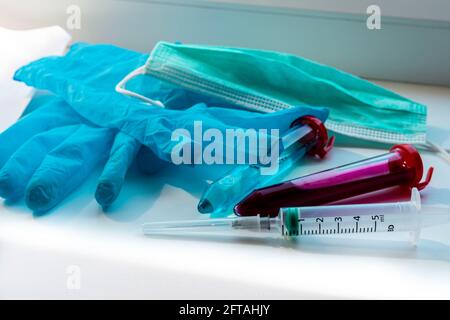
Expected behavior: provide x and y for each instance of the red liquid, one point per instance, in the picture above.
(339, 183)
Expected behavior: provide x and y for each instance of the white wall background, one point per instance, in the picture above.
(412, 46)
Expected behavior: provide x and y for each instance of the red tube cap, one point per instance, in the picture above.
(323, 144)
(412, 159)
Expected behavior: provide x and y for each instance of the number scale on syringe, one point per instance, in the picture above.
(354, 224)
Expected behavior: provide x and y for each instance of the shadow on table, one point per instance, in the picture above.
(424, 250)
(140, 192)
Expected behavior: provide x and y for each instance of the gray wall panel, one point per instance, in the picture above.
(405, 49)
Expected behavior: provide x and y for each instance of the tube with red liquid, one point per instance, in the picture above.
(402, 166)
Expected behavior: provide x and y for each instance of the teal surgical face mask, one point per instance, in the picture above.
(270, 81)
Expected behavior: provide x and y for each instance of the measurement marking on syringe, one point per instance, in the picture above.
(318, 229)
(343, 225)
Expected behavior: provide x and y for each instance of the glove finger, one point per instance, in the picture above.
(52, 115)
(18, 170)
(122, 154)
(67, 166)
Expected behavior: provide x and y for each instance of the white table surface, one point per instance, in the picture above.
(112, 259)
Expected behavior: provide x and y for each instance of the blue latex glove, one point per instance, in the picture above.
(86, 78)
(52, 150)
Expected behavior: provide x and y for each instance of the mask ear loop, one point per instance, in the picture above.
(120, 87)
(440, 151)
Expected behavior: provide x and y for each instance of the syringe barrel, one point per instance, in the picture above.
(401, 166)
(351, 219)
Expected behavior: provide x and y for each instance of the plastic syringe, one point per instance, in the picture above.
(407, 216)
